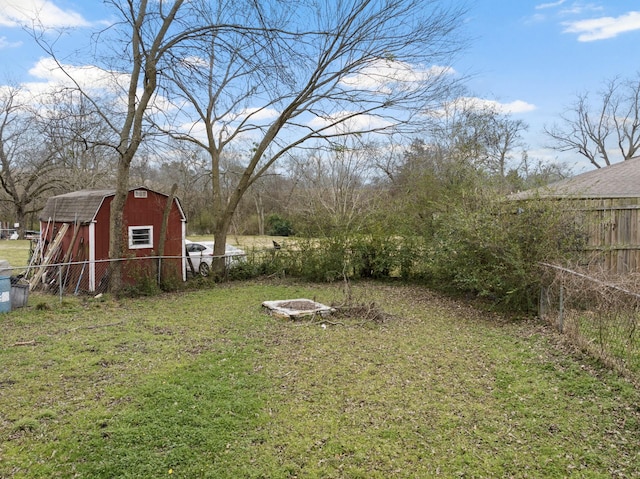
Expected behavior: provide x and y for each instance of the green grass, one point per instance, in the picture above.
(15, 251)
(204, 384)
(610, 335)
(250, 242)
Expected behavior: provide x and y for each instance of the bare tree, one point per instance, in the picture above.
(268, 75)
(502, 138)
(26, 173)
(269, 195)
(308, 74)
(604, 132)
(535, 173)
(141, 41)
(69, 127)
(334, 188)
(187, 168)
(475, 133)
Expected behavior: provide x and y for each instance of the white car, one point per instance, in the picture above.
(201, 255)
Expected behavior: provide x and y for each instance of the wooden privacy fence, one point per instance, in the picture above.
(612, 228)
(598, 316)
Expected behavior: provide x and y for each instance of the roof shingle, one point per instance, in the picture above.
(620, 180)
(80, 206)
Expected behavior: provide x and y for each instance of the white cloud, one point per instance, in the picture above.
(4, 43)
(196, 129)
(87, 77)
(194, 62)
(225, 126)
(385, 76)
(535, 18)
(517, 106)
(542, 6)
(258, 114)
(580, 9)
(96, 82)
(604, 27)
(359, 123)
(17, 13)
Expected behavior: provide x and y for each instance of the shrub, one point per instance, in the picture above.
(410, 257)
(325, 259)
(493, 250)
(375, 256)
(331, 259)
(279, 226)
(253, 266)
(141, 279)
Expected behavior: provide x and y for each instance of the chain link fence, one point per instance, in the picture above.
(139, 274)
(93, 277)
(599, 315)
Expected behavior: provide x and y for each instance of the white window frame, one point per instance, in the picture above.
(139, 193)
(148, 244)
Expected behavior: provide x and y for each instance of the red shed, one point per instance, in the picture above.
(83, 218)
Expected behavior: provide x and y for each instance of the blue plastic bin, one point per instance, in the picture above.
(5, 286)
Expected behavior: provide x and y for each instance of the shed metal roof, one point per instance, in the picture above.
(620, 180)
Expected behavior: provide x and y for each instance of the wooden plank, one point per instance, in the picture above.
(69, 254)
(51, 252)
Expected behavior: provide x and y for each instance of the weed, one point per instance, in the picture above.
(26, 424)
(47, 414)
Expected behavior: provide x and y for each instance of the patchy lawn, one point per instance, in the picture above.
(204, 384)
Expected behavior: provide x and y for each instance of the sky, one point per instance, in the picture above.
(531, 57)
(535, 57)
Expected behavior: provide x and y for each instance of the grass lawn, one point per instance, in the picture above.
(15, 251)
(250, 243)
(204, 384)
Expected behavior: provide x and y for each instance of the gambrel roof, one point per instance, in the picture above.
(620, 180)
(81, 206)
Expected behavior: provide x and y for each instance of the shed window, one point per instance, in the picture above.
(140, 237)
(140, 193)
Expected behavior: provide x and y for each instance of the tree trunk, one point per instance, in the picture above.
(220, 231)
(260, 213)
(116, 230)
(165, 220)
(20, 219)
(164, 227)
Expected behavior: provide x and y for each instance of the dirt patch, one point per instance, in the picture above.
(300, 305)
(296, 308)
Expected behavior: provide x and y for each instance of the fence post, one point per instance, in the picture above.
(60, 281)
(561, 309)
(542, 311)
(159, 270)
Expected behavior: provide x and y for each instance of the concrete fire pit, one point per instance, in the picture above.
(296, 308)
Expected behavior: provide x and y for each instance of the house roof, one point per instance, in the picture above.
(620, 180)
(81, 206)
